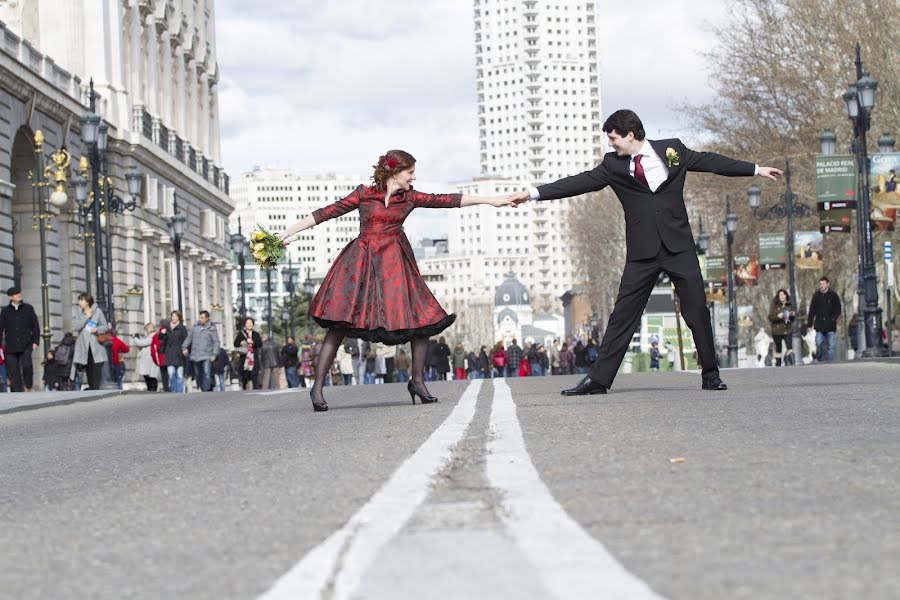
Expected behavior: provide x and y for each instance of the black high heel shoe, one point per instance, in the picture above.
(413, 392)
(318, 406)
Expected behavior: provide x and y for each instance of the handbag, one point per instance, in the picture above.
(104, 338)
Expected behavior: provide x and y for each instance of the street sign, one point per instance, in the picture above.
(887, 251)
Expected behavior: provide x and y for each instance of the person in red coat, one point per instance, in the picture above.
(374, 291)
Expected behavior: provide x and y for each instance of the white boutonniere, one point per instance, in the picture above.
(672, 157)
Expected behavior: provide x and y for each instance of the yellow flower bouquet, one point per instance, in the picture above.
(265, 247)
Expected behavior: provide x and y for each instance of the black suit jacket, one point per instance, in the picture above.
(651, 218)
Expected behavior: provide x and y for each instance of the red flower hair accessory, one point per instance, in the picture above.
(388, 162)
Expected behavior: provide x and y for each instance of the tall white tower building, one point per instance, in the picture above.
(538, 84)
(539, 119)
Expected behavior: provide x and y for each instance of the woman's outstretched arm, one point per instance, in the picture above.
(304, 223)
(498, 201)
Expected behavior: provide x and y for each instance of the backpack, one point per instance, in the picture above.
(62, 356)
(592, 353)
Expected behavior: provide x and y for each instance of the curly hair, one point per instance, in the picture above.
(391, 162)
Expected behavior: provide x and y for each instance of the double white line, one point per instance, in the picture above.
(570, 563)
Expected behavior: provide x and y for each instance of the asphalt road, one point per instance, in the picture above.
(785, 486)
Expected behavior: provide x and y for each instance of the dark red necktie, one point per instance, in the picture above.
(639, 170)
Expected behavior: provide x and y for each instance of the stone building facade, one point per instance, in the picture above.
(154, 71)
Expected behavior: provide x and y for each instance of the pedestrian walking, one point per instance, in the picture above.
(171, 341)
(458, 360)
(201, 347)
(345, 363)
(63, 358)
(566, 360)
(654, 355)
(534, 359)
(824, 310)
(159, 358)
(290, 358)
(401, 366)
(91, 325)
(580, 352)
(118, 348)
(781, 317)
(554, 358)
(146, 366)
(248, 344)
(20, 334)
(498, 360)
(442, 354)
(514, 356)
(270, 363)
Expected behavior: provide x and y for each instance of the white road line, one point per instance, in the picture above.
(570, 562)
(333, 569)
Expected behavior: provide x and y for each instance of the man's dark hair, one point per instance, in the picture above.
(823, 278)
(623, 121)
(205, 313)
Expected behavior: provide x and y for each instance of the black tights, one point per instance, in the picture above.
(327, 352)
(419, 351)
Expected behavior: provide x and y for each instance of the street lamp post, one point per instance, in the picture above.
(308, 288)
(239, 247)
(45, 176)
(114, 204)
(859, 100)
(90, 134)
(786, 209)
(730, 224)
(289, 286)
(269, 315)
(176, 231)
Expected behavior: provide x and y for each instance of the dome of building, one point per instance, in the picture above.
(511, 292)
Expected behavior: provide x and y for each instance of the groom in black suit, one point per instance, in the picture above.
(648, 177)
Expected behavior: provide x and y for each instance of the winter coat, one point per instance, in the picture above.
(459, 358)
(442, 358)
(776, 317)
(221, 363)
(484, 364)
(172, 342)
(145, 365)
(565, 358)
(118, 349)
(202, 341)
(270, 357)
(824, 310)
(514, 356)
(256, 340)
(19, 328)
(473, 365)
(554, 357)
(580, 352)
(88, 340)
(289, 355)
(401, 362)
(345, 361)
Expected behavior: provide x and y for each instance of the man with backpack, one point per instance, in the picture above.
(62, 359)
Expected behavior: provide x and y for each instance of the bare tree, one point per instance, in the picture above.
(778, 71)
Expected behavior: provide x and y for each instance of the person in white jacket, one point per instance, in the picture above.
(145, 365)
(345, 361)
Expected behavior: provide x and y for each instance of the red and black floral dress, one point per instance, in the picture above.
(374, 290)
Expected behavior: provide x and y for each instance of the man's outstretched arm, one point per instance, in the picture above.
(589, 181)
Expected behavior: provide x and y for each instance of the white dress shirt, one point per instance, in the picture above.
(655, 170)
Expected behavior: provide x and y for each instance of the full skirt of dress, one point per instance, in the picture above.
(374, 291)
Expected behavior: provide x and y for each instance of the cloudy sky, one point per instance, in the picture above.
(329, 86)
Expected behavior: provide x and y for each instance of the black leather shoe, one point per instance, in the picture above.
(585, 387)
(715, 384)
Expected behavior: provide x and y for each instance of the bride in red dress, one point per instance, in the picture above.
(374, 290)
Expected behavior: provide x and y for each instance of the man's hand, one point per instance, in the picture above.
(185, 352)
(770, 173)
(515, 200)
